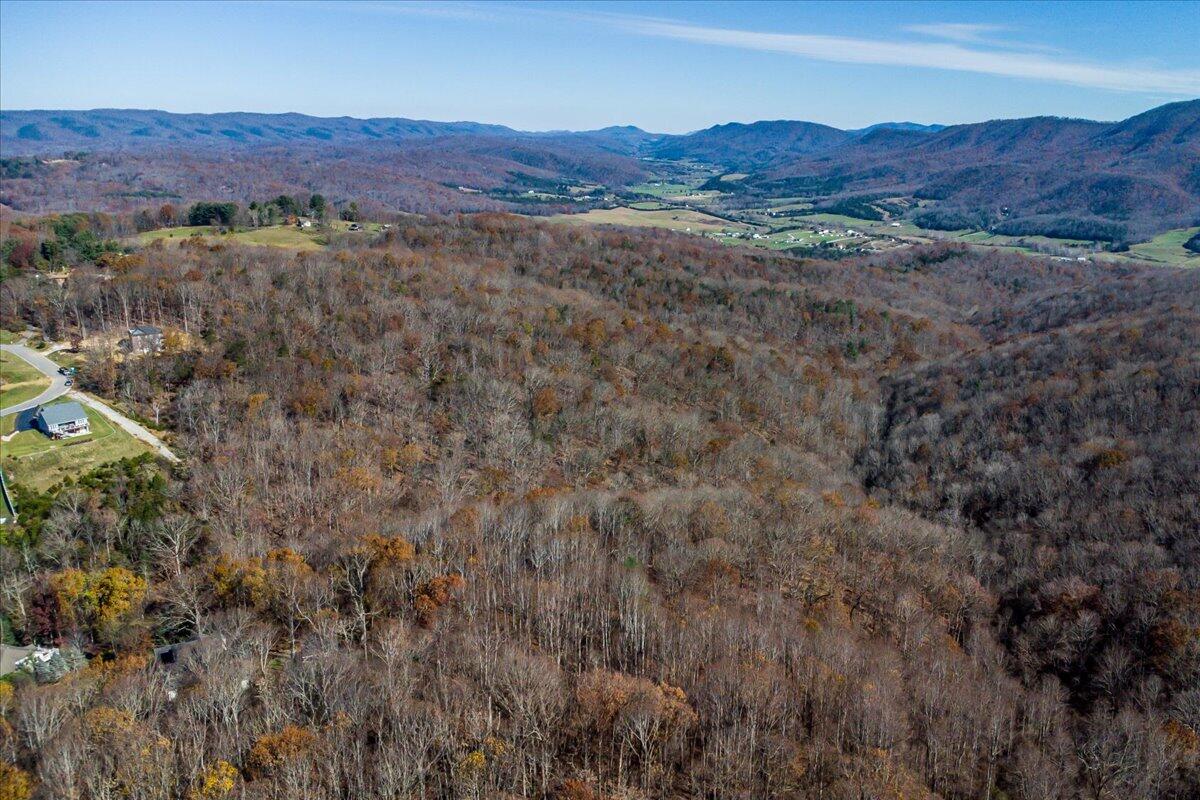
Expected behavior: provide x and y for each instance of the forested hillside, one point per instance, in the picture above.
(1116, 182)
(1020, 176)
(479, 507)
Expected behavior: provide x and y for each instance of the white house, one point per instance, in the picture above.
(63, 420)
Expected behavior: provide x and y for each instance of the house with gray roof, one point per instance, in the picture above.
(11, 656)
(63, 420)
(145, 339)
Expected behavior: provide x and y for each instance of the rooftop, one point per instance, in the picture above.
(144, 330)
(62, 413)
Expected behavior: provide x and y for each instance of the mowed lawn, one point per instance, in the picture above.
(20, 381)
(286, 236)
(36, 461)
(674, 219)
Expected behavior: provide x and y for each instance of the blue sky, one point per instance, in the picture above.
(668, 67)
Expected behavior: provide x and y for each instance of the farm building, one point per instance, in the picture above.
(63, 420)
(145, 339)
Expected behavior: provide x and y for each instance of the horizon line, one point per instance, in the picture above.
(548, 131)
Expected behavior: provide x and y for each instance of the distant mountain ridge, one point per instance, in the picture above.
(899, 126)
(41, 132)
(1059, 176)
(751, 145)
(1075, 178)
(38, 132)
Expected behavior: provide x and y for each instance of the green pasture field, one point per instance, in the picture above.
(1167, 248)
(678, 219)
(288, 236)
(663, 189)
(284, 236)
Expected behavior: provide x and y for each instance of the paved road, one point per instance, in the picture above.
(58, 383)
(58, 387)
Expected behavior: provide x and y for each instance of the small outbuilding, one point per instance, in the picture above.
(63, 420)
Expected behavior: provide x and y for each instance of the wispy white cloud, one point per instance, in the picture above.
(442, 9)
(932, 55)
(956, 31)
(965, 47)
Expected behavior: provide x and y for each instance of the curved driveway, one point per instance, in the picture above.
(58, 387)
(58, 383)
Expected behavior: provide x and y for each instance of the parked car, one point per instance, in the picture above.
(69, 382)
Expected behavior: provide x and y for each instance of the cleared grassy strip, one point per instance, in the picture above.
(20, 380)
(176, 233)
(34, 460)
(15, 369)
(285, 236)
(685, 220)
(20, 392)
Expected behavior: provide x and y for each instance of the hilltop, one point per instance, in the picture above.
(1068, 178)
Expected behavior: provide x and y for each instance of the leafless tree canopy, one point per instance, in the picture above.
(487, 508)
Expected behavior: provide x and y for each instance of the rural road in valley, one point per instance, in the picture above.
(58, 388)
(58, 383)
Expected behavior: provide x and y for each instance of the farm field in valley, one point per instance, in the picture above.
(1167, 248)
(662, 188)
(676, 219)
